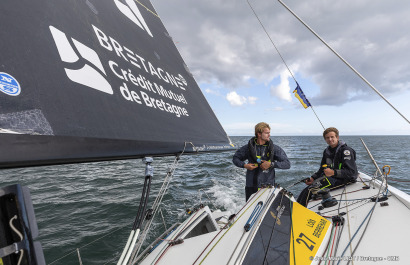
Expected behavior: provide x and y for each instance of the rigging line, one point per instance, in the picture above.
(249, 226)
(341, 194)
(163, 190)
(361, 237)
(333, 243)
(350, 200)
(348, 226)
(283, 60)
(327, 246)
(372, 211)
(368, 216)
(189, 223)
(162, 254)
(341, 58)
(362, 180)
(317, 117)
(338, 213)
(307, 199)
(333, 188)
(229, 227)
(371, 157)
(159, 199)
(206, 194)
(177, 232)
(292, 233)
(149, 10)
(273, 228)
(332, 235)
(260, 22)
(255, 229)
(337, 241)
(352, 204)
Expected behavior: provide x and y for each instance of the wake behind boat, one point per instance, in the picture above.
(102, 80)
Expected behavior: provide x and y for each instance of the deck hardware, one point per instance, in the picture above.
(327, 199)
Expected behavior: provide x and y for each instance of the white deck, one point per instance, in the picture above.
(212, 248)
(384, 240)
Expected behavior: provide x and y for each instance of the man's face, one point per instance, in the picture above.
(265, 135)
(331, 139)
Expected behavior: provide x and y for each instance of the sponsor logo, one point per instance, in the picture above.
(83, 66)
(92, 72)
(9, 85)
(131, 11)
(184, 82)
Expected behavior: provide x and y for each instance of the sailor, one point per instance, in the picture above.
(263, 157)
(337, 168)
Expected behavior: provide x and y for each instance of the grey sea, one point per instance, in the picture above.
(92, 206)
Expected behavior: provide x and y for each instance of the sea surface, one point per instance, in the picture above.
(92, 206)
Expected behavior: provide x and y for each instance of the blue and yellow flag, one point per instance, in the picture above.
(302, 98)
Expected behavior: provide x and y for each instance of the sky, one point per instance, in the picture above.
(245, 81)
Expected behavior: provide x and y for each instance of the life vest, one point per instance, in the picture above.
(336, 158)
(252, 150)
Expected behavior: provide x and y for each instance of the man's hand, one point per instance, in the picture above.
(250, 166)
(309, 181)
(329, 172)
(265, 165)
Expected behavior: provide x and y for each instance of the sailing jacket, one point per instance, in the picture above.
(342, 159)
(268, 152)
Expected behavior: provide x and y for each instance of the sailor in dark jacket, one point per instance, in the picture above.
(337, 168)
(263, 157)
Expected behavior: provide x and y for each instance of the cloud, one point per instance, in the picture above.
(283, 90)
(222, 41)
(237, 100)
(213, 92)
(268, 110)
(252, 100)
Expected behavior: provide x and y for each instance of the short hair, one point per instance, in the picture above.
(260, 127)
(331, 129)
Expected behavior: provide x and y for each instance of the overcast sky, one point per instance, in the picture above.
(245, 81)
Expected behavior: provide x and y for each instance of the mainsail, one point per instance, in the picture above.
(96, 80)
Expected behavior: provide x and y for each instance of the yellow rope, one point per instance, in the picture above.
(155, 14)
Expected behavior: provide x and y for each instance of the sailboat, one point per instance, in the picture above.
(87, 81)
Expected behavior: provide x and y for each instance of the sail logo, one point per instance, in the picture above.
(9, 85)
(92, 72)
(131, 11)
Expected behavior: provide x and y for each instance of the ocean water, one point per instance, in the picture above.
(92, 206)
